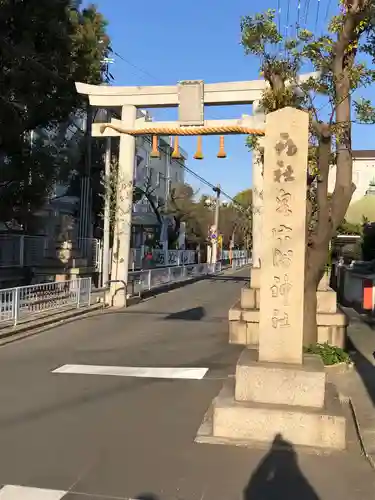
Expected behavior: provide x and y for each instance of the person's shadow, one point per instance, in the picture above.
(278, 476)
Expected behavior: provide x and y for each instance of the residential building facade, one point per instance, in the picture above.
(363, 173)
(60, 215)
(156, 176)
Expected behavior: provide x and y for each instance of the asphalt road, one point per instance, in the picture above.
(101, 437)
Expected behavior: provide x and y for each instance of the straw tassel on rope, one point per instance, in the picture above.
(155, 153)
(221, 153)
(199, 154)
(176, 150)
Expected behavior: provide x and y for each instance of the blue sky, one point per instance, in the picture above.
(164, 42)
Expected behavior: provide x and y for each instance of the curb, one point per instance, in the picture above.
(364, 432)
(339, 368)
(28, 329)
(369, 455)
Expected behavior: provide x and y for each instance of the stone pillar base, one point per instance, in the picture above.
(280, 383)
(288, 400)
(244, 316)
(116, 296)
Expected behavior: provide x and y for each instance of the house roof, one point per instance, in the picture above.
(363, 153)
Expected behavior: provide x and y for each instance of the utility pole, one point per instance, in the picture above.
(107, 209)
(216, 190)
(85, 201)
(106, 61)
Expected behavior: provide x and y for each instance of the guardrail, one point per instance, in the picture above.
(21, 250)
(146, 280)
(25, 303)
(241, 262)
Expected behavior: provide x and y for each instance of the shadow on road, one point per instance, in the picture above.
(194, 314)
(278, 476)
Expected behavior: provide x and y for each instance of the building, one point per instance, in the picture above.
(60, 215)
(156, 176)
(363, 173)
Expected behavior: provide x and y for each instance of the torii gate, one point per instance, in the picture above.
(190, 97)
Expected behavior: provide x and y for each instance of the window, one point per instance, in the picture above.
(158, 179)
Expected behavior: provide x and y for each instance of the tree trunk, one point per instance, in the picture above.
(315, 262)
(310, 329)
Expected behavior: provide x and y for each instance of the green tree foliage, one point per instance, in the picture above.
(348, 228)
(335, 55)
(184, 208)
(234, 217)
(45, 46)
(236, 220)
(244, 198)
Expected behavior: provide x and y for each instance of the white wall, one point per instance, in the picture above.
(363, 174)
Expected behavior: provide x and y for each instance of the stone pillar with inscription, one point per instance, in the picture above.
(244, 315)
(284, 230)
(279, 390)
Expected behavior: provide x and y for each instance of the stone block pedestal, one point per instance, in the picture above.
(280, 383)
(260, 423)
(244, 315)
(244, 326)
(267, 399)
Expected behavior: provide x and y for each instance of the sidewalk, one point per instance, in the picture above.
(359, 383)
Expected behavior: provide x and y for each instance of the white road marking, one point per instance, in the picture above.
(129, 371)
(10, 492)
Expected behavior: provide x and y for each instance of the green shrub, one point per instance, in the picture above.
(331, 355)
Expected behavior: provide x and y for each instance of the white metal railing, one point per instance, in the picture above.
(30, 302)
(145, 280)
(161, 258)
(22, 250)
(140, 281)
(227, 255)
(241, 262)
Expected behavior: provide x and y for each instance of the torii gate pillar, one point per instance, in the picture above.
(122, 236)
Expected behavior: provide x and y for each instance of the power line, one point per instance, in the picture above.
(298, 15)
(278, 17)
(327, 10)
(182, 165)
(317, 16)
(306, 13)
(138, 68)
(287, 19)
